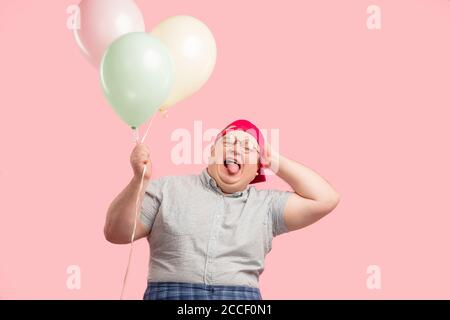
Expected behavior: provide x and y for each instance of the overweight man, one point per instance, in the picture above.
(209, 232)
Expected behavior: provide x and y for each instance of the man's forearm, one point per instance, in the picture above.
(121, 212)
(302, 179)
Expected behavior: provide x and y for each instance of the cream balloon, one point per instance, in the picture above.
(193, 51)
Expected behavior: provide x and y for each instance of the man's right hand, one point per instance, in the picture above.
(140, 157)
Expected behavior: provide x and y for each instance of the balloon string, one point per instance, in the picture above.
(136, 212)
(133, 233)
(146, 132)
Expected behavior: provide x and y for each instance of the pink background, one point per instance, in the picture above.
(368, 110)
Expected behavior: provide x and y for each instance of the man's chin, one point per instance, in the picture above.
(229, 181)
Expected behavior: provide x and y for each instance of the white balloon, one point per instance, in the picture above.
(103, 21)
(193, 50)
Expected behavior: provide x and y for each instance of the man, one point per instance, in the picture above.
(209, 233)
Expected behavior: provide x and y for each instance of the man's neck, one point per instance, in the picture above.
(207, 170)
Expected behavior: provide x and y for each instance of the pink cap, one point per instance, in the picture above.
(250, 128)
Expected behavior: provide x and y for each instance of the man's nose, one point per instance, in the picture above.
(236, 150)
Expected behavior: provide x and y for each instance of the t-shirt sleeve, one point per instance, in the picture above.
(278, 200)
(151, 202)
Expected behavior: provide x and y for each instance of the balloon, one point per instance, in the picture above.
(193, 50)
(136, 76)
(102, 22)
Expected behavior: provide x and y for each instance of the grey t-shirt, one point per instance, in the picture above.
(201, 235)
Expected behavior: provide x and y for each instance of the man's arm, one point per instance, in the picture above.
(121, 212)
(314, 197)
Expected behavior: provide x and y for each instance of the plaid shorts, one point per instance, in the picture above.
(199, 291)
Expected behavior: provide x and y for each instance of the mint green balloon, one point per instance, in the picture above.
(136, 76)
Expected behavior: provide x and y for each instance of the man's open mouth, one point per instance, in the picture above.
(232, 165)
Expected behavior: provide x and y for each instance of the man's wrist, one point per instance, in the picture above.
(136, 181)
(274, 164)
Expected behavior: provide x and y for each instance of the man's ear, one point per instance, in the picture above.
(260, 163)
